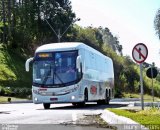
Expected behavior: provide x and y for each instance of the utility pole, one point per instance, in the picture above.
(59, 35)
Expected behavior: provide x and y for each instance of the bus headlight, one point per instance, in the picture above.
(36, 99)
(72, 97)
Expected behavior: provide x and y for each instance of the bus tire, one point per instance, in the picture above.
(100, 102)
(86, 95)
(107, 99)
(74, 104)
(46, 105)
(82, 104)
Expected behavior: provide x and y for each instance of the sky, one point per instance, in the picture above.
(132, 21)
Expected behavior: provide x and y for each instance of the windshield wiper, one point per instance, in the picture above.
(46, 77)
(58, 77)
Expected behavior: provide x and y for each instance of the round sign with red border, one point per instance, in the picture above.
(140, 53)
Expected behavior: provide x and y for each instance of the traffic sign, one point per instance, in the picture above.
(140, 53)
(152, 72)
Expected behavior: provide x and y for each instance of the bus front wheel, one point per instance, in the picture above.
(86, 95)
(82, 104)
(46, 105)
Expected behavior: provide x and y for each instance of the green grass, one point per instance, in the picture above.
(149, 116)
(12, 69)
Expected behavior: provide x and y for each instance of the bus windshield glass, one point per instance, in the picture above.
(56, 68)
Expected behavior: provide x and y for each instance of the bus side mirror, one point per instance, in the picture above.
(27, 63)
(78, 63)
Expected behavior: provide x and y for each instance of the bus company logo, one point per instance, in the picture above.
(93, 90)
(9, 127)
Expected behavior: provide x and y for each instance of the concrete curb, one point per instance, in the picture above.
(150, 104)
(125, 99)
(122, 123)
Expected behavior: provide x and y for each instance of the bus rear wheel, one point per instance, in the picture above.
(100, 102)
(46, 105)
(107, 99)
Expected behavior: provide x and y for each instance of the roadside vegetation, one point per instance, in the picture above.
(147, 98)
(5, 99)
(14, 81)
(23, 28)
(150, 116)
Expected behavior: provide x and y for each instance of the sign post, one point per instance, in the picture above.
(141, 80)
(152, 83)
(139, 54)
(152, 73)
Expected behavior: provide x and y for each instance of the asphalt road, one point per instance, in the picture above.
(29, 116)
(48, 127)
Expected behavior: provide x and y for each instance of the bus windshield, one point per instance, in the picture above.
(56, 68)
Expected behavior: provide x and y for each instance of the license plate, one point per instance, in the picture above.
(53, 99)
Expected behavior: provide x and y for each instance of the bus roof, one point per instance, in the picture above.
(66, 46)
(59, 46)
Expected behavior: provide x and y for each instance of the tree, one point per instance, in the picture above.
(9, 19)
(59, 18)
(24, 21)
(157, 23)
(4, 20)
(108, 38)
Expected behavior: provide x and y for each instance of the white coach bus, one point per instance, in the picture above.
(71, 73)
